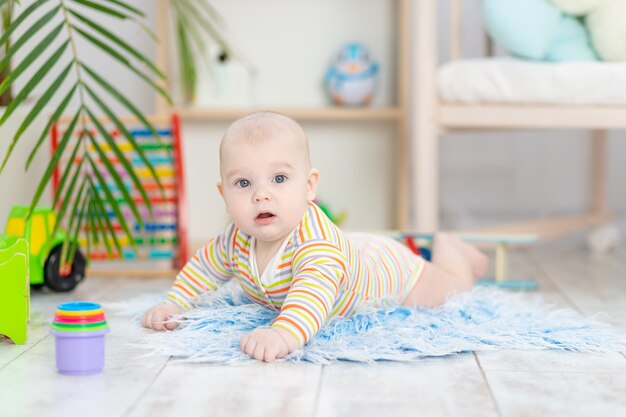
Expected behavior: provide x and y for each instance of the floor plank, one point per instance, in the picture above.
(594, 284)
(259, 389)
(432, 387)
(521, 394)
(551, 361)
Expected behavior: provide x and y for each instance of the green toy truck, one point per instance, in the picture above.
(45, 250)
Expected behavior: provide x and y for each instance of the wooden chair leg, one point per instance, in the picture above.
(426, 183)
(501, 266)
(598, 170)
(425, 144)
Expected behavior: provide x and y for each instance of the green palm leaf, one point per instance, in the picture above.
(53, 119)
(66, 172)
(43, 100)
(99, 7)
(73, 218)
(102, 213)
(212, 13)
(26, 35)
(114, 205)
(32, 83)
(115, 175)
(93, 228)
(40, 26)
(188, 35)
(123, 100)
(188, 31)
(188, 68)
(30, 117)
(115, 39)
(193, 18)
(196, 15)
(127, 7)
(68, 195)
(131, 139)
(113, 53)
(30, 58)
(80, 215)
(125, 163)
(54, 160)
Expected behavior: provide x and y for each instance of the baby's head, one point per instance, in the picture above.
(266, 175)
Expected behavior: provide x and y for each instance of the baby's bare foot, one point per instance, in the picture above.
(478, 260)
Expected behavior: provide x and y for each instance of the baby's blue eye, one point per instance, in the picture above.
(279, 178)
(243, 183)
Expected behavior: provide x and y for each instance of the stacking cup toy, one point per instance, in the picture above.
(79, 330)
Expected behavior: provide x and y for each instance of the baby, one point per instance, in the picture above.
(287, 255)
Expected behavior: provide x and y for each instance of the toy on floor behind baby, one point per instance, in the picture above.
(419, 244)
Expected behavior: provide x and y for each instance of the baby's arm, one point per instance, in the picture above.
(207, 270)
(319, 269)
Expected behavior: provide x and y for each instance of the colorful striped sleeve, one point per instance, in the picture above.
(207, 270)
(319, 269)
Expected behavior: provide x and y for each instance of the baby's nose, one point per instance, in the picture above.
(261, 195)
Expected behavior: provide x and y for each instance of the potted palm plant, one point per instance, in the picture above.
(52, 28)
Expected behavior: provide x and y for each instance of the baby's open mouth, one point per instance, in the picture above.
(265, 217)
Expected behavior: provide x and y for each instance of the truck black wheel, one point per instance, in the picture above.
(62, 283)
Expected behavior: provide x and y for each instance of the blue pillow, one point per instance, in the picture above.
(536, 30)
(572, 43)
(524, 28)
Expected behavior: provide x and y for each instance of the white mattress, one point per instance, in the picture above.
(507, 80)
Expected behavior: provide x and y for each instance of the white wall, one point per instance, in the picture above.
(290, 43)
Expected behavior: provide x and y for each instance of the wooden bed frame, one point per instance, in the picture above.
(432, 117)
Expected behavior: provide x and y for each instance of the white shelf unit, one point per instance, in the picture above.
(397, 113)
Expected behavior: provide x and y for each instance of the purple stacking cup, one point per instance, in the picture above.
(80, 353)
(79, 329)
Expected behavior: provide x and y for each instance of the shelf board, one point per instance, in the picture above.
(455, 116)
(298, 113)
(551, 228)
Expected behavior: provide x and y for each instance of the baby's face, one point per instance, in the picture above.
(266, 186)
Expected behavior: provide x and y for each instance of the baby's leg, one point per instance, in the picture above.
(454, 268)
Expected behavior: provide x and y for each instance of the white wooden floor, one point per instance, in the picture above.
(505, 383)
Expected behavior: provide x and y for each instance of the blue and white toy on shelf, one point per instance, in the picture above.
(351, 78)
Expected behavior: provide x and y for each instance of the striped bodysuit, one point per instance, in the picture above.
(319, 272)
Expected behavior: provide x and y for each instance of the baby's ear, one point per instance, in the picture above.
(220, 189)
(311, 184)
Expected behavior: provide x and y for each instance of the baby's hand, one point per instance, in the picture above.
(157, 318)
(268, 344)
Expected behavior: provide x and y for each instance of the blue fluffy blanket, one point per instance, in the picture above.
(483, 319)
